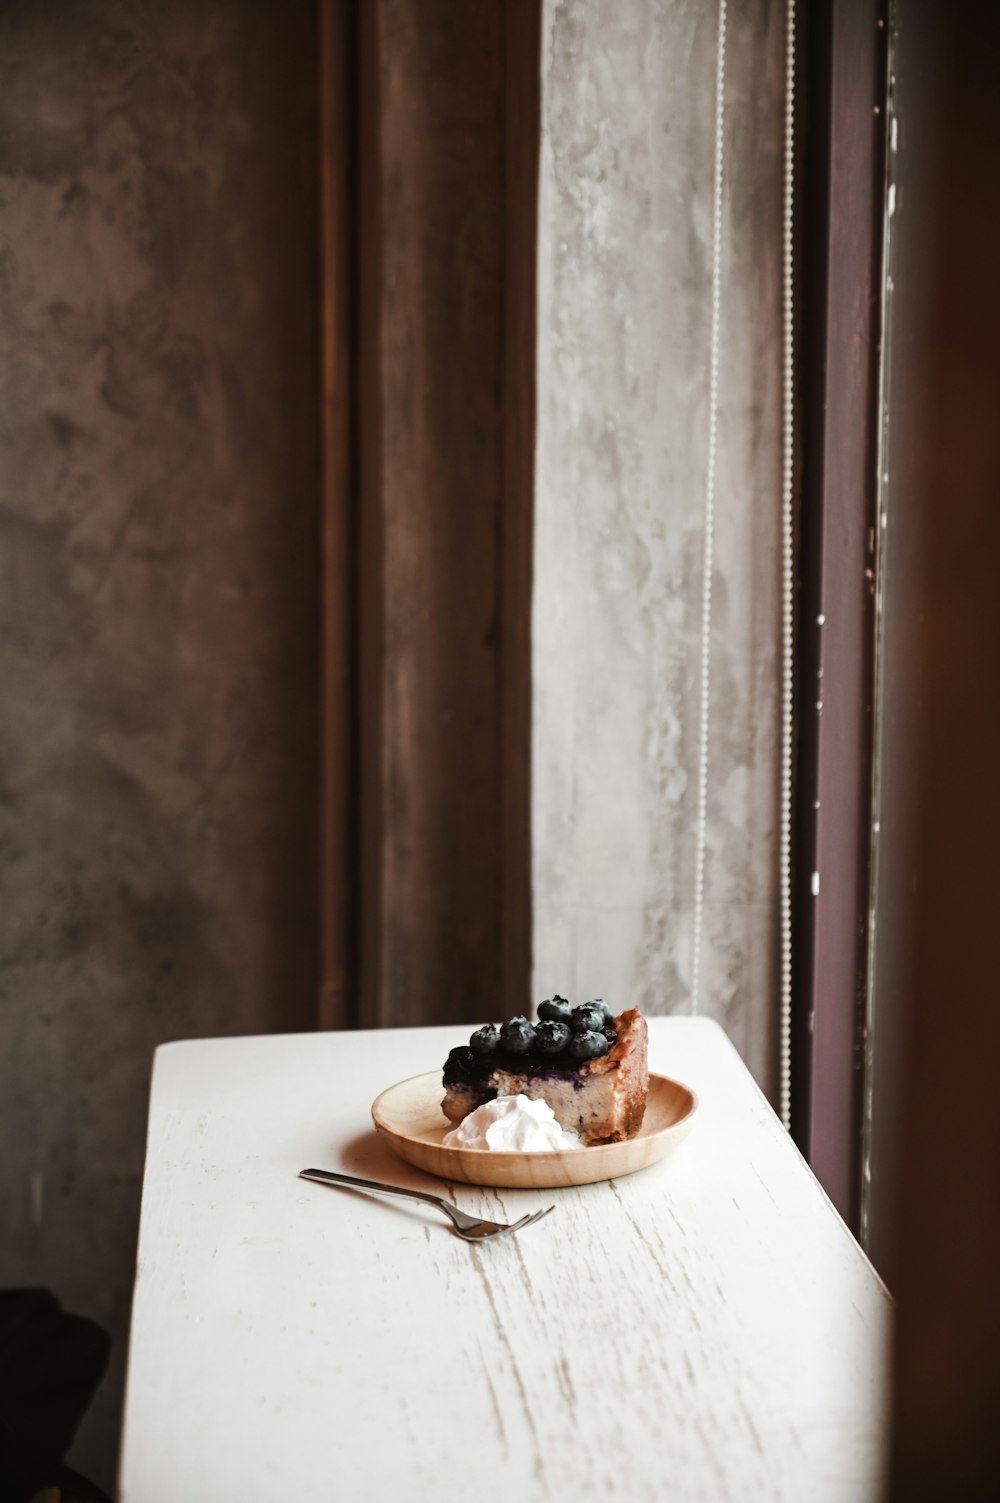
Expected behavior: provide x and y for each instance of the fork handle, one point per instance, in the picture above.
(326, 1177)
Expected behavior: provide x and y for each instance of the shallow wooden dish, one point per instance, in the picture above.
(409, 1117)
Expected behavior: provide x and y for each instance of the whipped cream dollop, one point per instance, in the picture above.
(512, 1124)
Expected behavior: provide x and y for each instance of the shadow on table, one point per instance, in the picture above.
(367, 1156)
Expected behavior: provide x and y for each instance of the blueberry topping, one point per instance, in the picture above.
(517, 1036)
(609, 1016)
(485, 1040)
(556, 1046)
(459, 1065)
(589, 1018)
(589, 1044)
(552, 1037)
(556, 1011)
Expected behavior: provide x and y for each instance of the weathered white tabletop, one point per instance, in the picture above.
(706, 1329)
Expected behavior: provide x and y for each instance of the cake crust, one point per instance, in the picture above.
(603, 1100)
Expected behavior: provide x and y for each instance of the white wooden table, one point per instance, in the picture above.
(706, 1329)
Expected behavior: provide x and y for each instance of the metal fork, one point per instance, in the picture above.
(472, 1228)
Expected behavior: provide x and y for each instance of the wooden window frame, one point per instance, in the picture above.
(839, 338)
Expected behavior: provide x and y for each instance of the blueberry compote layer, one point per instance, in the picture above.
(555, 1048)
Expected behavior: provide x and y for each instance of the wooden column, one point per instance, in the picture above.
(427, 902)
(522, 134)
(338, 221)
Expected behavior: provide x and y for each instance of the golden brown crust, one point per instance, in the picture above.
(629, 1052)
(630, 1057)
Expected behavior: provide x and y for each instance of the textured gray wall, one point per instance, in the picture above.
(623, 317)
(158, 592)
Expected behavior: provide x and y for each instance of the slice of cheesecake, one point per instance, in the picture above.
(602, 1099)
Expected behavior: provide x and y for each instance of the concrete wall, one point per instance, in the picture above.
(158, 592)
(623, 360)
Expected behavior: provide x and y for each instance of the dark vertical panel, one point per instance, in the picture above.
(338, 144)
(947, 1443)
(369, 789)
(836, 615)
(522, 132)
(445, 529)
(441, 116)
(915, 137)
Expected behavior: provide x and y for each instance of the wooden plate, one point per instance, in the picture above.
(409, 1117)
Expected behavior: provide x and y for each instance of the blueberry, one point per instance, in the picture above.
(556, 1011)
(485, 1040)
(610, 1035)
(609, 1016)
(588, 1045)
(552, 1037)
(459, 1065)
(517, 1036)
(589, 1018)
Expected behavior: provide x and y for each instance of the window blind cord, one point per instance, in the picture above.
(788, 581)
(707, 563)
(787, 560)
